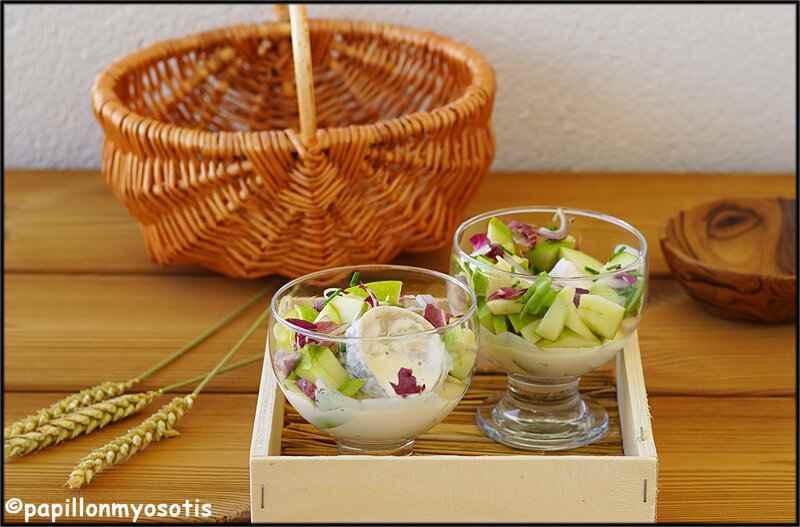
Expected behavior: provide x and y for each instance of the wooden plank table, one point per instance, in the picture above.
(84, 304)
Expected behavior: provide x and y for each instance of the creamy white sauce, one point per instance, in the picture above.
(514, 354)
(377, 419)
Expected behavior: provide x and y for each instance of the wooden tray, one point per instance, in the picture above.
(613, 480)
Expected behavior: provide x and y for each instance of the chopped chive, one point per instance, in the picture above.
(615, 267)
(626, 291)
(323, 304)
(634, 273)
(354, 280)
(619, 251)
(506, 250)
(515, 284)
(591, 270)
(553, 228)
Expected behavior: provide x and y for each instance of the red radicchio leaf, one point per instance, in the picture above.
(307, 388)
(482, 246)
(507, 293)
(371, 299)
(577, 298)
(434, 315)
(424, 300)
(406, 383)
(285, 361)
(524, 234)
(479, 241)
(324, 326)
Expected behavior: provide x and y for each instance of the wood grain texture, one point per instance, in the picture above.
(737, 257)
(71, 222)
(208, 461)
(720, 459)
(121, 325)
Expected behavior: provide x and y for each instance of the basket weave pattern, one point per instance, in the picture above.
(200, 145)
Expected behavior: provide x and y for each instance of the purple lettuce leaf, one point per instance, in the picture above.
(285, 361)
(506, 293)
(307, 387)
(406, 383)
(371, 299)
(524, 234)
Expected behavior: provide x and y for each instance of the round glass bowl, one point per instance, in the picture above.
(374, 366)
(542, 408)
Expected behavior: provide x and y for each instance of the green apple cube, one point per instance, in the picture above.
(573, 321)
(546, 253)
(570, 339)
(385, 290)
(581, 260)
(634, 299)
(498, 232)
(539, 296)
(306, 313)
(319, 362)
(452, 388)
(499, 323)
(529, 331)
(553, 321)
(518, 322)
(458, 340)
(479, 282)
(351, 386)
(487, 323)
(606, 291)
(349, 307)
(483, 309)
(503, 306)
(497, 281)
(462, 365)
(601, 315)
(331, 312)
(621, 260)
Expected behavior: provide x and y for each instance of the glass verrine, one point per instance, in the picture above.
(549, 311)
(373, 355)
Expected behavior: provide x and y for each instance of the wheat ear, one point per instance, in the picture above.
(90, 418)
(110, 389)
(159, 425)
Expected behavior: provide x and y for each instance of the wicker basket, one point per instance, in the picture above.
(211, 142)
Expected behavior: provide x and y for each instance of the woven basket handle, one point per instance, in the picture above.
(301, 50)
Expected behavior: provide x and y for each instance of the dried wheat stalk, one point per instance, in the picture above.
(160, 424)
(66, 405)
(83, 420)
(111, 389)
(87, 419)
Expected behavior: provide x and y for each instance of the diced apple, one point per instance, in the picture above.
(606, 291)
(385, 290)
(581, 260)
(500, 324)
(498, 232)
(349, 307)
(529, 331)
(570, 339)
(544, 255)
(601, 315)
(572, 321)
(503, 306)
(462, 365)
(519, 322)
(351, 386)
(331, 312)
(553, 321)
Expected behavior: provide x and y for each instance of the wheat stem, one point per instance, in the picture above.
(179, 385)
(111, 389)
(159, 425)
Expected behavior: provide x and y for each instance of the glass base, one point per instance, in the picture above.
(542, 414)
(375, 448)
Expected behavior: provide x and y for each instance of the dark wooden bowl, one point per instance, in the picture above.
(737, 257)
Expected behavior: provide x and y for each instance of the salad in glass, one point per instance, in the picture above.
(559, 293)
(374, 355)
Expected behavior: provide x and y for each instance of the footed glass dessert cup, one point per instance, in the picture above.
(373, 355)
(560, 291)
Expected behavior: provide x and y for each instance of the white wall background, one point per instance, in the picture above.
(580, 87)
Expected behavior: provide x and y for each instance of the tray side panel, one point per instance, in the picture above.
(454, 489)
(634, 410)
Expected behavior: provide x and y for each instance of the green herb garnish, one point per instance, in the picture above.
(354, 280)
(619, 251)
(634, 273)
(591, 270)
(615, 267)
(515, 284)
(553, 228)
(626, 291)
(323, 304)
